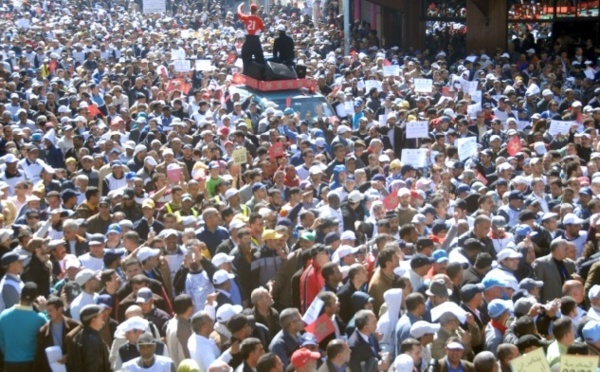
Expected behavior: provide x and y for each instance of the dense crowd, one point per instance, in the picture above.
(134, 237)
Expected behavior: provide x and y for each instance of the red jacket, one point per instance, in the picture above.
(311, 283)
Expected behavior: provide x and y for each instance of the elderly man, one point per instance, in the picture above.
(450, 316)
(554, 270)
(287, 340)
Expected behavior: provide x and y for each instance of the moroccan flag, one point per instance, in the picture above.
(276, 151)
(482, 178)
(386, 62)
(514, 146)
(231, 59)
(391, 201)
(94, 110)
(321, 328)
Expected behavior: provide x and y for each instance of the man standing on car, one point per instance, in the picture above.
(254, 26)
(283, 47)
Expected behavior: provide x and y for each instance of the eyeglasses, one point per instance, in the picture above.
(34, 217)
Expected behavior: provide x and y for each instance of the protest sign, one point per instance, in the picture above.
(423, 85)
(417, 129)
(392, 70)
(240, 156)
(560, 127)
(182, 65)
(532, 361)
(370, 84)
(579, 363)
(154, 6)
(203, 65)
(467, 147)
(415, 157)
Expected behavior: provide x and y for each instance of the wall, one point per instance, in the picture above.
(486, 25)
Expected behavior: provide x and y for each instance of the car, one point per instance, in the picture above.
(297, 99)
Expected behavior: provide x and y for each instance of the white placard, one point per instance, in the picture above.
(349, 106)
(473, 109)
(423, 85)
(560, 127)
(415, 157)
(370, 84)
(471, 58)
(154, 6)
(522, 124)
(203, 65)
(393, 70)
(239, 63)
(540, 148)
(469, 87)
(476, 96)
(417, 129)
(54, 354)
(467, 147)
(182, 65)
(313, 311)
(340, 111)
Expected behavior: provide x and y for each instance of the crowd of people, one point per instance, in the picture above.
(133, 236)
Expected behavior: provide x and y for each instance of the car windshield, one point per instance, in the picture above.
(308, 104)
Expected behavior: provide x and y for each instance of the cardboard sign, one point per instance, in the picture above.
(417, 129)
(154, 6)
(203, 65)
(579, 363)
(467, 147)
(276, 151)
(532, 361)
(423, 85)
(240, 156)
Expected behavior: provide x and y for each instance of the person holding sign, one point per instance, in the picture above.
(253, 24)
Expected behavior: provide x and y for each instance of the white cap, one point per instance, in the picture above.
(227, 311)
(346, 250)
(281, 27)
(404, 363)
(72, 262)
(10, 158)
(507, 253)
(422, 328)
(236, 224)
(135, 322)
(546, 92)
(348, 235)
(448, 307)
(594, 292)
(221, 258)
(343, 129)
(221, 276)
(63, 110)
(355, 196)
(130, 145)
(84, 276)
(403, 192)
(548, 216)
(572, 219)
(150, 161)
(138, 149)
(315, 169)
(231, 192)
(146, 252)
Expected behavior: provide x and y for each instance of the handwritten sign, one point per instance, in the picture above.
(423, 85)
(579, 363)
(383, 120)
(560, 127)
(467, 147)
(417, 129)
(469, 87)
(415, 157)
(203, 65)
(239, 156)
(476, 97)
(392, 70)
(154, 6)
(532, 361)
(182, 65)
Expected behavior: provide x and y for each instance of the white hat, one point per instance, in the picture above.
(138, 149)
(343, 129)
(320, 142)
(346, 250)
(572, 219)
(10, 158)
(546, 92)
(150, 161)
(146, 252)
(348, 235)
(451, 308)
(231, 192)
(404, 363)
(221, 258)
(403, 192)
(130, 145)
(168, 152)
(504, 55)
(72, 262)
(594, 292)
(507, 253)
(549, 215)
(221, 276)
(281, 27)
(227, 311)
(236, 224)
(315, 169)
(135, 322)
(422, 328)
(63, 110)
(84, 276)
(355, 196)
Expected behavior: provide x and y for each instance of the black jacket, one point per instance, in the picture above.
(283, 48)
(86, 351)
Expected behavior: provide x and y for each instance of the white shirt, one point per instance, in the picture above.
(198, 286)
(204, 351)
(456, 256)
(32, 169)
(161, 364)
(90, 262)
(80, 301)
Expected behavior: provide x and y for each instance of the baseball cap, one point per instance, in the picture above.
(528, 341)
(308, 339)
(303, 356)
(404, 363)
(144, 295)
(89, 311)
(490, 282)
(530, 284)
(572, 219)
(146, 252)
(10, 257)
(420, 260)
(439, 256)
(221, 258)
(591, 331)
(496, 308)
(468, 291)
(84, 276)
(221, 276)
(422, 328)
(507, 253)
(227, 311)
(270, 234)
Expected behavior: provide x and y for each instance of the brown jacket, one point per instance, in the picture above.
(44, 340)
(377, 286)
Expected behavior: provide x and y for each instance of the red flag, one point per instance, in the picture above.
(386, 62)
(231, 59)
(391, 201)
(276, 151)
(321, 328)
(94, 110)
(482, 178)
(514, 146)
(288, 102)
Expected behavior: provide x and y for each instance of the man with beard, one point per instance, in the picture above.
(131, 209)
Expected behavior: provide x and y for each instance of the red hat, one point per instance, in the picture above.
(224, 131)
(253, 7)
(302, 357)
